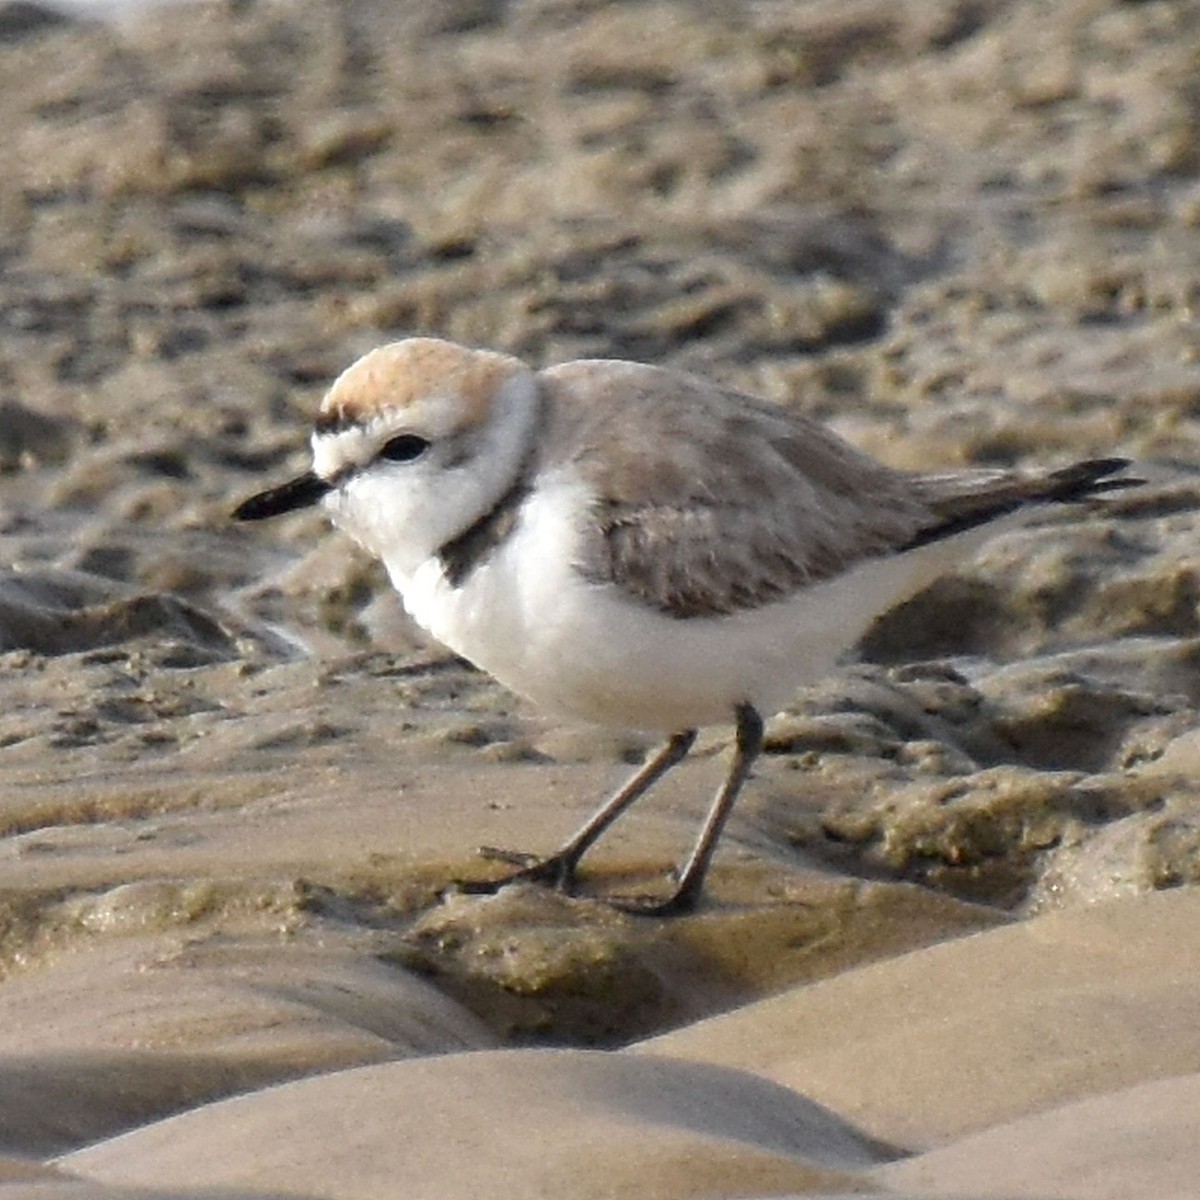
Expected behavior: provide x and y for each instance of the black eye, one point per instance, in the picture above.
(404, 447)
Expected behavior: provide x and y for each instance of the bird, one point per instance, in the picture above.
(636, 546)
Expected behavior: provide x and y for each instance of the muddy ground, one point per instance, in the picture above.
(963, 232)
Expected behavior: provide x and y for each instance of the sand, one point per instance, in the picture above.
(949, 943)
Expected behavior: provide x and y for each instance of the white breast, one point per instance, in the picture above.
(587, 650)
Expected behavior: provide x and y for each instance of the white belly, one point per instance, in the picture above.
(587, 650)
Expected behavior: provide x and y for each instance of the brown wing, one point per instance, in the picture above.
(710, 502)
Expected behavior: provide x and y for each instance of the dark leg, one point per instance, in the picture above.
(558, 870)
(691, 878)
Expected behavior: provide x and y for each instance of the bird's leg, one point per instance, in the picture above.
(558, 869)
(691, 878)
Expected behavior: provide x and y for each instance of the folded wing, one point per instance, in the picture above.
(710, 502)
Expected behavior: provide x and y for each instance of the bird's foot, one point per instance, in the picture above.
(555, 871)
(515, 858)
(683, 900)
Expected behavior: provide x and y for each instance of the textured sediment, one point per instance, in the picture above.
(234, 782)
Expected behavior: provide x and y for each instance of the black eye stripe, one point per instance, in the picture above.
(404, 447)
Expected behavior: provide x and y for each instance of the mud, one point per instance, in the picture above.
(960, 233)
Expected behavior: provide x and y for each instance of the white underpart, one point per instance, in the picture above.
(588, 650)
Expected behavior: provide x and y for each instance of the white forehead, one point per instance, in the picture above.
(421, 385)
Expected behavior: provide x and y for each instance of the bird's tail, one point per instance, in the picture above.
(963, 500)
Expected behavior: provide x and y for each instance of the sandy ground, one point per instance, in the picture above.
(950, 944)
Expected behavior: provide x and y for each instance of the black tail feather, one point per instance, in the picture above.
(1079, 481)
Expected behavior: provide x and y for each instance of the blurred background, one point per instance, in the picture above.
(963, 231)
(960, 231)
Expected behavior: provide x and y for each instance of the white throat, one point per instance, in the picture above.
(405, 512)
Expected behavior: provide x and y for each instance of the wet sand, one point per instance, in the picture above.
(949, 947)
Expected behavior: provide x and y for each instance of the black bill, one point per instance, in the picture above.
(300, 492)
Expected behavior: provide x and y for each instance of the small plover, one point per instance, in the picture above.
(633, 545)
